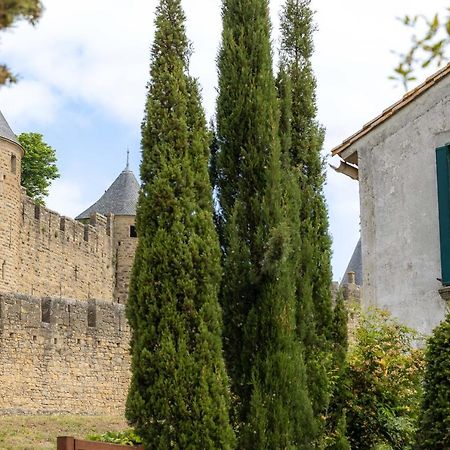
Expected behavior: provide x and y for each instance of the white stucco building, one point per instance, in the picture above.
(402, 161)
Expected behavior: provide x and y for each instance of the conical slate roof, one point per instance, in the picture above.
(120, 199)
(355, 265)
(5, 130)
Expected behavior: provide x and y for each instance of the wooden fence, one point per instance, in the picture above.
(70, 443)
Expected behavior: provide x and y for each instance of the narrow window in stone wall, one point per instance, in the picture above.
(92, 315)
(133, 231)
(3, 269)
(13, 164)
(46, 308)
(443, 181)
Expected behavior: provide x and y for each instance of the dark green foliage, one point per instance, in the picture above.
(178, 398)
(302, 139)
(385, 375)
(264, 354)
(434, 422)
(336, 421)
(12, 11)
(38, 166)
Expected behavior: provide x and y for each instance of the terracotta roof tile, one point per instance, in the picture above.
(389, 112)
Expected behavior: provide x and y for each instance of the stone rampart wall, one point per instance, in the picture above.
(61, 257)
(62, 356)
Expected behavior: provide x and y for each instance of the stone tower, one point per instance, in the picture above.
(120, 202)
(11, 154)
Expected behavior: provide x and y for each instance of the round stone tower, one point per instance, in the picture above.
(120, 201)
(11, 154)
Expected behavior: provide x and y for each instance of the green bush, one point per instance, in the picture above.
(128, 437)
(385, 373)
(434, 423)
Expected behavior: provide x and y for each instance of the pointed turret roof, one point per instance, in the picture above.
(5, 130)
(355, 265)
(120, 199)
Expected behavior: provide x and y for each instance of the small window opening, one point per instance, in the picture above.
(37, 212)
(13, 164)
(3, 269)
(92, 315)
(46, 307)
(133, 231)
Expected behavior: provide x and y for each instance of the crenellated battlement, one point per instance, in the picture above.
(61, 355)
(58, 256)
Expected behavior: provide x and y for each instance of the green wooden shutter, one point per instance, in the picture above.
(443, 181)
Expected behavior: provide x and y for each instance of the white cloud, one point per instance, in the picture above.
(66, 197)
(30, 101)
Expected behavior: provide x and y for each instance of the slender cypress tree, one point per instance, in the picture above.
(313, 258)
(264, 355)
(178, 398)
(336, 423)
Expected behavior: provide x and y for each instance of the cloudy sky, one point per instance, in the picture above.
(84, 67)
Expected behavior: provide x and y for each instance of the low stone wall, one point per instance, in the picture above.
(62, 356)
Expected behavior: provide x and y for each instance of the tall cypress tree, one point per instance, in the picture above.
(313, 258)
(178, 396)
(264, 355)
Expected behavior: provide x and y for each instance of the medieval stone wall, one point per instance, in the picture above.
(10, 199)
(125, 243)
(61, 257)
(62, 356)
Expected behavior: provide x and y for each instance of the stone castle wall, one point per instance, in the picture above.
(62, 356)
(61, 257)
(10, 199)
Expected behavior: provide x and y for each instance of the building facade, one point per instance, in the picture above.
(402, 232)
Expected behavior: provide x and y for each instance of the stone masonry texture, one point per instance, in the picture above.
(53, 361)
(64, 338)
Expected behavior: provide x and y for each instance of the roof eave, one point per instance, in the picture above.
(343, 150)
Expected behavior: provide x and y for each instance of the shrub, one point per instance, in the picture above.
(434, 423)
(385, 372)
(128, 437)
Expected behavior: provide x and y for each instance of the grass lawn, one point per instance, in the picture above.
(40, 432)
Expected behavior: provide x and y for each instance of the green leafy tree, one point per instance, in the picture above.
(302, 138)
(430, 42)
(12, 11)
(38, 166)
(434, 422)
(264, 354)
(178, 397)
(385, 373)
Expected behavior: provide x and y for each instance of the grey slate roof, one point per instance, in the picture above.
(5, 130)
(120, 199)
(355, 265)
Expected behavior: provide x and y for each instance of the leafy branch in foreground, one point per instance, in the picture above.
(11, 12)
(429, 45)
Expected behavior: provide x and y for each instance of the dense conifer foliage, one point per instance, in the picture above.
(303, 138)
(336, 418)
(434, 421)
(264, 354)
(178, 398)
